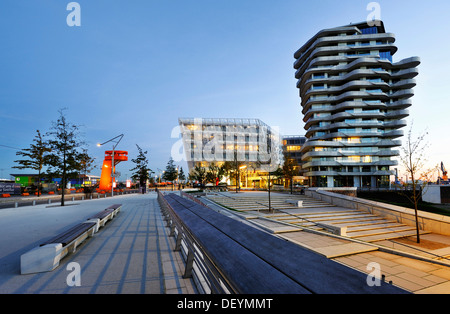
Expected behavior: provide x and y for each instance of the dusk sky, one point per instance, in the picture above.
(135, 67)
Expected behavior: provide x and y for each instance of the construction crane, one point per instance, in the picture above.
(444, 178)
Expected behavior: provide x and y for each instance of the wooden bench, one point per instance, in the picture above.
(46, 257)
(239, 266)
(106, 215)
(74, 236)
(311, 271)
(115, 207)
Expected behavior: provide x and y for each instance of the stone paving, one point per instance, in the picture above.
(132, 254)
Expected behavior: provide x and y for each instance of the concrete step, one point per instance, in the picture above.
(388, 226)
(365, 233)
(358, 221)
(390, 236)
(339, 218)
(362, 222)
(331, 215)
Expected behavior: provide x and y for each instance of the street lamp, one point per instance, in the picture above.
(116, 140)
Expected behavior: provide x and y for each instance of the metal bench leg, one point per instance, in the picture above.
(178, 242)
(189, 265)
(172, 230)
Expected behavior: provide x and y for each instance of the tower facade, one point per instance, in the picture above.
(354, 99)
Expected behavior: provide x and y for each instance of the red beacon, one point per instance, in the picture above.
(107, 179)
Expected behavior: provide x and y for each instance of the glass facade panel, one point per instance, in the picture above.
(385, 55)
(370, 30)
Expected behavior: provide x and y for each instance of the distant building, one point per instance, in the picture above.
(354, 99)
(292, 149)
(29, 180)
(250, 142)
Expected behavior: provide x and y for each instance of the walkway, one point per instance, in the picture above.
(132, 254)
(423, 268)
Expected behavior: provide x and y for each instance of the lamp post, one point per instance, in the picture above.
(116, 140)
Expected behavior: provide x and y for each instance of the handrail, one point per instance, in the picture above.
(207, 276)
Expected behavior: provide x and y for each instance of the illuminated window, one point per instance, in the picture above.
(192, 127)
(355, 140)
(293, 148)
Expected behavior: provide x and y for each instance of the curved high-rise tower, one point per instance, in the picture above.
(354, 99)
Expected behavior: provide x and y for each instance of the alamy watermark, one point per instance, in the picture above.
(374, 17)
(73, 279)
(74, 17)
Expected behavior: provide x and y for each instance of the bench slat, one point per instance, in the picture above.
(115, 206)
(102, 214)
(70, 235)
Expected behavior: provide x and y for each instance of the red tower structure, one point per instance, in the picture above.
(112, 158)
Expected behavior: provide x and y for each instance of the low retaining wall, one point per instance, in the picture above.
(427, 221)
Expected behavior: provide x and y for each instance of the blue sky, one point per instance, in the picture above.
(134, 67)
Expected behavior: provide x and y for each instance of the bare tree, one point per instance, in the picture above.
(413, 159)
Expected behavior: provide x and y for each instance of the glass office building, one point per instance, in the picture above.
(354, 98)
(249, 141)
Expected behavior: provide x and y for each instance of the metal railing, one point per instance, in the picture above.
(16, 202)
(199, 266)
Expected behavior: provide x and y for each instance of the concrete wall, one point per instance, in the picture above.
(436, 194)
(427, 221)
(432, 194)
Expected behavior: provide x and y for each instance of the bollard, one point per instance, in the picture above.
(16, 205)
(34, 203)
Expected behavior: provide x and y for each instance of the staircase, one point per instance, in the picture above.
(361, 225)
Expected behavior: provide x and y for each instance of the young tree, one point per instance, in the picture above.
(198, 174)
(171, 172)
(142, 171)
(63, 161)
(36, 157)
(214, 173)
(290, 170)
(413, 159)
(181, 175)
(86, 163)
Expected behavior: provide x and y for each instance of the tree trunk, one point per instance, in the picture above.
(39, 184)
(416, 201)
(63, 181)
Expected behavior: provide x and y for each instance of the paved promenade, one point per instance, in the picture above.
(132, 254)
